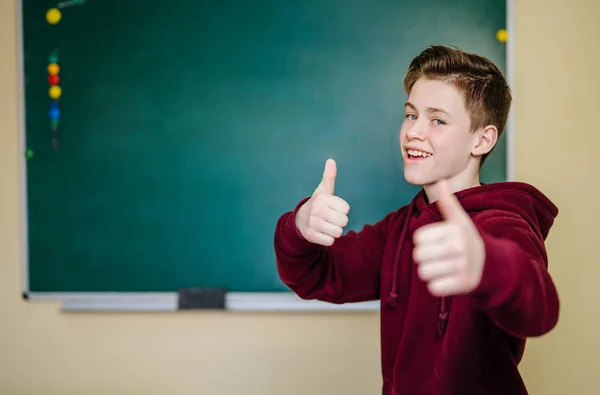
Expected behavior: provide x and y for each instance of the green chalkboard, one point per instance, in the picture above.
(188, 127)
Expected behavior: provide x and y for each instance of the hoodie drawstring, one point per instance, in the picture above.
(442, 322)
(393, 296)
(392, 299)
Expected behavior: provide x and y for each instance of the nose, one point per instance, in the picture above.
(416, 131)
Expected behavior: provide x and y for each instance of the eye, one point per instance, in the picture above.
(412, 117)
(438, 122)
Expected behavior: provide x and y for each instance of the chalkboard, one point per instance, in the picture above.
(185, 128)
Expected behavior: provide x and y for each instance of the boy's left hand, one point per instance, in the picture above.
(450, 254)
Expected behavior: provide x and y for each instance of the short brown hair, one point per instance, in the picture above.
(486, 92)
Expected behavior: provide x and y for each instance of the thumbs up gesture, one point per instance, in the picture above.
(322, 218)
(450, 254)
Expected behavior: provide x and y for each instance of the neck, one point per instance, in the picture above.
(457, 183)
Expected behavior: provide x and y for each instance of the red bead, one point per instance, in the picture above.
(53, 79)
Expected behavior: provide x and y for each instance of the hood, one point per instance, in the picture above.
(519, 198)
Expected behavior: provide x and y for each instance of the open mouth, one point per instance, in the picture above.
(417, 155)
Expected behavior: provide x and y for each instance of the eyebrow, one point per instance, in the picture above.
(429, 109)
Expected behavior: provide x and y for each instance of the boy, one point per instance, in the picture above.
(461, 271)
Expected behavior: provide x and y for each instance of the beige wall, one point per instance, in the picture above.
(558, 92)
(557, 103)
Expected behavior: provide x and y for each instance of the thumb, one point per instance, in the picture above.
(328, 181)
(448, 204)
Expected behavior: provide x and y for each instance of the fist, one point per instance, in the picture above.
(450, 254)
(323, 217)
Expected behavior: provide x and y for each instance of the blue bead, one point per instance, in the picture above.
(54, 113)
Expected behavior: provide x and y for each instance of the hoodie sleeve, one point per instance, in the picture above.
(347, 271)
(516, 289)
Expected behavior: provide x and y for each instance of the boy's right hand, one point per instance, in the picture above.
(322, 218)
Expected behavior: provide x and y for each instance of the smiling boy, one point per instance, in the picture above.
(461, 271)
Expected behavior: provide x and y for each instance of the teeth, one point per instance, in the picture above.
(413, 152)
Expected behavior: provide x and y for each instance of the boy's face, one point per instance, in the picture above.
(436, 138)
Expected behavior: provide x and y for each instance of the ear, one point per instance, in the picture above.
(484, 140)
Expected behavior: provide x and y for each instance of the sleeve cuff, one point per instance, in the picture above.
(289, 237)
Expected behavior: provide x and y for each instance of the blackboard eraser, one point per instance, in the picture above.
(201, 298)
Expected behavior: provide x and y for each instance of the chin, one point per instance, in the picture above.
(417, 177)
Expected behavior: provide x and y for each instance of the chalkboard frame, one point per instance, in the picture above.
(168, 301)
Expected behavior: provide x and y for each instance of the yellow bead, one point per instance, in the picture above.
(53, 69)
(55, 92)
(502, 35)
(53, 16)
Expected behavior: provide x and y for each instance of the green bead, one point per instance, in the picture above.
(53, 58)
(29, 153)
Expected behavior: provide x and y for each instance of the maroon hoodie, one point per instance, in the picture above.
(464, 344)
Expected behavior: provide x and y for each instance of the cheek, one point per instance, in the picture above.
(403, 131)
(452, 149)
